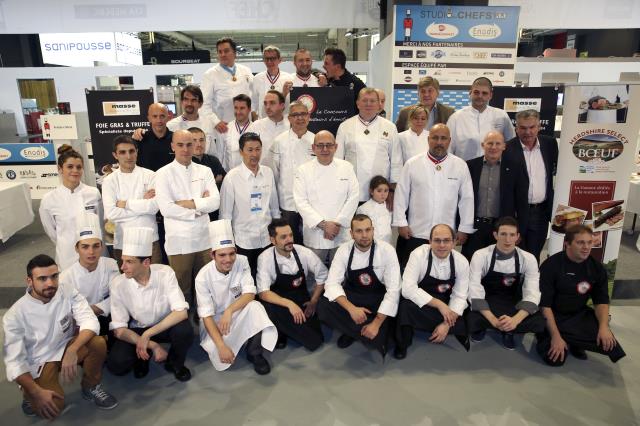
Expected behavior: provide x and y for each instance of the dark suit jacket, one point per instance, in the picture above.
(549, 149)
(444, 112)
(514, 188)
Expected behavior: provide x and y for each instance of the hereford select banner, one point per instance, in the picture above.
(600, 127)
(328, 106)
(111, 113)
(516, 99)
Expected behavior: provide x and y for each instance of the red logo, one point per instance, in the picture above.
(441, 27)
(297, 282)
(583, 287)
(365, 279)
(443, 288)
(508, 281)
(309, 101)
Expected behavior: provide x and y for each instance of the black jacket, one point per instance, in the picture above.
(514, 187)
(549, 149)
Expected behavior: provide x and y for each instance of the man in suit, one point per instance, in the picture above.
(428, 91)
(499, 189)
(539, 154)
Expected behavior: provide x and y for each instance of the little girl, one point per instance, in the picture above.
(376, 208)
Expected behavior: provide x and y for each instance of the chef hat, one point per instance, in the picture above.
(88, 226)
(221, 234)
(137, 241)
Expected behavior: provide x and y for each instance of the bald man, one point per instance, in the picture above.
(154, 145)
(383, 100)
(500, 189)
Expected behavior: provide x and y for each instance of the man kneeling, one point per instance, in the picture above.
(40, 343)
(567, 280)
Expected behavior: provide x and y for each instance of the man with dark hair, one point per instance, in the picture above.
(470, 124)
(191, 101)
(304, 76)
(435, 288)
(568, 279)
(222, 82)
(273, 78)
(147, 308)
(227, 142)
(129, 195)
(249, 199)
(504, 288)
(40, 343)
(335, 63)
(284, 276)
(274, 123)
(538, 155)
(428, 92)
(363, 288)
(201, 157)
(154, 146)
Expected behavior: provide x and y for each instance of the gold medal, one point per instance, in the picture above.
(366, 131)
(438, 167)
(273, 87)
(234, 78)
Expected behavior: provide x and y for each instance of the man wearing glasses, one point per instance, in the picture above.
(271, 79)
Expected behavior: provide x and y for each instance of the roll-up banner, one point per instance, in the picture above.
(112, 113)
(597, 155)
(328, 106)
(32, 163)
(516, 99)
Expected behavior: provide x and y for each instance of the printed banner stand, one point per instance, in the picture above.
(33, 163)
(516, 99)
(597, 153)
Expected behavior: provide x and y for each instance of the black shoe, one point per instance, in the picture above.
(140, 369)
(508, 341)
(182, 374)
(345, 341)
(478, 336)
(578, 353)
(260, 364)
(399, 352)
(464, 341)
(282, 341)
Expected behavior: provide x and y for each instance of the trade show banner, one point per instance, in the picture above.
(112, 113)
(329, 106)
(455, 45)
(32, 163)
(596, 158)
(516, 99)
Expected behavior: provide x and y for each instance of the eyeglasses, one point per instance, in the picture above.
(444, 241)
(270, 58)
(325, 146)
(298, 114)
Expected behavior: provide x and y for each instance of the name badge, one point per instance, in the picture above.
(65, 323)
(256, 202)
(236, 291)
(89, 208)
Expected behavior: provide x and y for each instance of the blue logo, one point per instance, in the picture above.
(11, 174)
(438, 54)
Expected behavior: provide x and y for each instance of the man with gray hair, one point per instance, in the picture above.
(271, 79)
(428, 91)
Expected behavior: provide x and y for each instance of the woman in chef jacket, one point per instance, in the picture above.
(414, 140)
(60, 207)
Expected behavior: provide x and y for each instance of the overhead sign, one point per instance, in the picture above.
(176, 57)
(83, 49)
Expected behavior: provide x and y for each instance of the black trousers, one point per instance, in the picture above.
(531, 324)
(579, 330)
(536, 233)
(308, 334)
(254, 345)
(123, 355)
(411, 317)
(295, 222)
(405, 247)
(482, 238)
(252, 257)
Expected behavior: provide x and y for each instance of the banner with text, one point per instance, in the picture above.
(600, 127)
(328, 106)
(32, 163)
(516, 99)
(112, 113)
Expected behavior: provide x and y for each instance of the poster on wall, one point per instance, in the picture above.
(597, 151)
(112, 113)
(516, 99)
(455, 45)
(328, 106)
(59, 127)
(32, 163)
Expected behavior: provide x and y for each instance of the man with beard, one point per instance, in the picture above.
(227, 142)
(191, 102)
(303, 76)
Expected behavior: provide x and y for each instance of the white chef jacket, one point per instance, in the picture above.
(385, 265)
(311, 264)
(468, 128)
(186, 230)
(93, 285)
(537, 173)
(58, 212)
(261, 85)
(377, 153)
(228, 145)
(298, 82)
(268, 131)
(250, 202)
(287, 153)
(219, 89)
(203, 123)
(215, 292)
(138, 212)
(434, 196)
(411, 144)
(380, 217)
(479, 267)
(36, 333)
(325, 193)
(137, 306)
(416, 269)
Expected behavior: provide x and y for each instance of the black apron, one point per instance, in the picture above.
(293, 287)
(440, 289)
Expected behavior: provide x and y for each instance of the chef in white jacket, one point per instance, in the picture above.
(129, 196)
(186, 193)
(92, 273)
(41, 344)
(274, 123)
(60, 207)
(326, 194)
(227, 142)
(229, 315)
(222, 82)
(273, 78)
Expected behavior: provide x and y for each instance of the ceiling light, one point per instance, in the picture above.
(312, 35)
